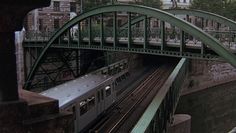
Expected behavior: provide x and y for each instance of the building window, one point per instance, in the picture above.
(56, 6)
(40, 24)
(56, 24)
(184, 1)
(72, 7)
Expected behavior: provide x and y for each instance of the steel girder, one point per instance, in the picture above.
(147, 11)
(198, 13)
(55, 70)
(206, 15)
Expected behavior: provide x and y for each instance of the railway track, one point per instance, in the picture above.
(131, 107)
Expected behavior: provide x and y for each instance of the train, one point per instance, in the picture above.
(89, 96)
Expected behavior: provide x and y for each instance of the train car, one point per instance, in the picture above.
(90, 95)
(87, 97)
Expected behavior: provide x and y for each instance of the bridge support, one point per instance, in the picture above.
(24, 112)
(12, 14)
(8, 81)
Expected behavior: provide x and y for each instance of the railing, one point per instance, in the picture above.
(37, 36)
(227, 38)
(159, 113)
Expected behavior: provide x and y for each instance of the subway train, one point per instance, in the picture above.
(89, 96)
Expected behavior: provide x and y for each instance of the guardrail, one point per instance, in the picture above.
(159, 113)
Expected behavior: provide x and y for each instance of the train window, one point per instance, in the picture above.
(102, 94)
(98, 95)
(91, 102)
(83, 107)
(108, 91)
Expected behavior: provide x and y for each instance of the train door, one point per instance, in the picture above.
(108, 96)
(100, 101)
(113, 92)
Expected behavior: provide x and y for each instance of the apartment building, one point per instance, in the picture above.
(52, 17)
(167, 4)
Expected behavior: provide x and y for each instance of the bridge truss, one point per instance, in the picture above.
(111, 38)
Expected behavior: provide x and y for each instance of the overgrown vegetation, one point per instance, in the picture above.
(225, 8)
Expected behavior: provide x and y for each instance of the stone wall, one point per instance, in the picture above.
(205, 74)
(213, 110)
(181, 124)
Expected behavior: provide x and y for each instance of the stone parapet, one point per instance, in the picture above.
(181, 124)
(35, 114)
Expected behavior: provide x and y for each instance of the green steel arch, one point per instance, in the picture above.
(206, 15)
(198, 13)
(148, 11)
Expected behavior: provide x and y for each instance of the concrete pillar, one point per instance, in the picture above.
(12, 14)
(8, 81)
(32, 113)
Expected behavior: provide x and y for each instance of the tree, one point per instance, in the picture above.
(230, 10)
(221, 7)
(89, 4)
(150, 3)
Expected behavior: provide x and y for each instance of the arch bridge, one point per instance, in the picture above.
(100, 29)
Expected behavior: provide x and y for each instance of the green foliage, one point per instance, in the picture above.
(151, 3)
(226, 8)
(89, 4)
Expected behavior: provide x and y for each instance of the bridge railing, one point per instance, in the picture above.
(38, 36)
(227, 38)
(159, 113)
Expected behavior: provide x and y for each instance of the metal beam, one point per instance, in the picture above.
(163, 36)
(79, 34)
(145, 25)
(115, 29)
(90, 30)
(102, 30)
(129, 30)
(182, 42)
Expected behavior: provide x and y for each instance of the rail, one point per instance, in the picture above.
(124, 108)
(162, 108)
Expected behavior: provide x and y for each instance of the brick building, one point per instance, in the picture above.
(52, 17)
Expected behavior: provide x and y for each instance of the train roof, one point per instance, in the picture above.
(71, 90)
